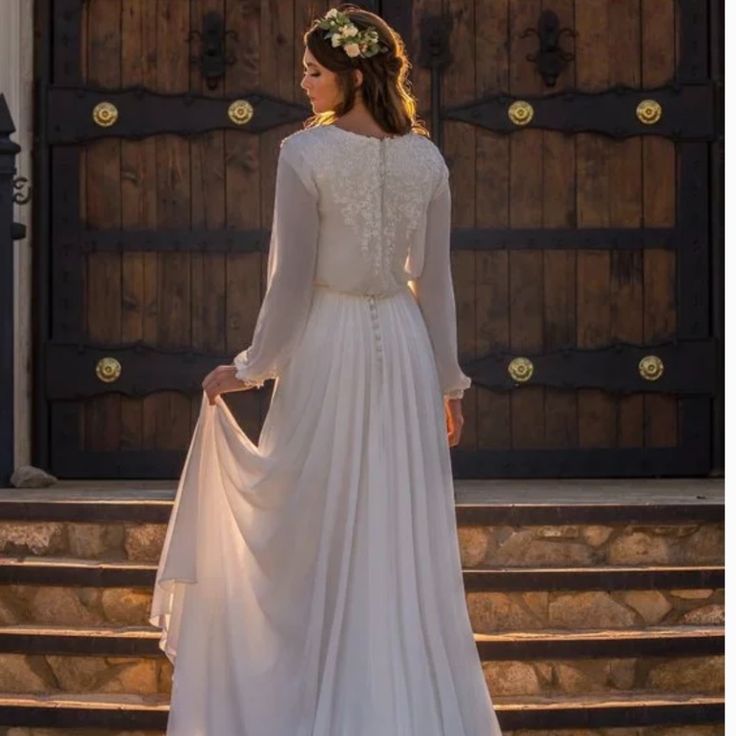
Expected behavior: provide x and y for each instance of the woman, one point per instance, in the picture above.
(311, 584)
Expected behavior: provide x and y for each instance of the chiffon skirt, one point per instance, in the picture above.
(310, 584)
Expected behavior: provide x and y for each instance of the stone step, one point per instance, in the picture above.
(494, 612)
(586, 524)
(102, 573)
(149, 712)
(487, 502)
(518, 546)
(143, 641)
(93, 592)
(45, 659)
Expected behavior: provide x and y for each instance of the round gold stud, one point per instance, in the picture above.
(105, 114)
(651, 367)
(649, 111)
(521, 369)
(520, 112)
(240, 112)
(108, 370)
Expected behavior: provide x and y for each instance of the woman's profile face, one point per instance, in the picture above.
(320, 84)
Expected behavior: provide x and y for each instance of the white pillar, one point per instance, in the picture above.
(16, 83)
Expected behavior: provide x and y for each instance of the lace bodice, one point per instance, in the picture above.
(359, 214)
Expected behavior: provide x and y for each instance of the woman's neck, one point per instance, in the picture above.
(359, 120)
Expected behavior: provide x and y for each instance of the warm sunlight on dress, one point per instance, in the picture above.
(311, 584)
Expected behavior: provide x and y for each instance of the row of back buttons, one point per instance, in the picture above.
(374, 320)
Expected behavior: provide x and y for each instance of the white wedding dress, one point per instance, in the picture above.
(311, 584)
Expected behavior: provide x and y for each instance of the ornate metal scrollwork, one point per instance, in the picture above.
(21, 190)
(435, 54)
(551, 59)
(214, 55)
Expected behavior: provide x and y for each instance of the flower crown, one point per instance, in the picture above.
(346, 34)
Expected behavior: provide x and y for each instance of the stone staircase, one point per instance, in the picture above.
(597, 606)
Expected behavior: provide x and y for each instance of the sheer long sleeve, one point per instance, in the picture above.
(435, 294)
(292, 259)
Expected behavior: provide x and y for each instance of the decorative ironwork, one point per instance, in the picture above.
(690, 112)
(651, 367)
(521, 112)
(22, 190)
(240, 112)
(145, 113)
(649, 111)
(550, 59)
(521, 369)
(105, 114)
(435, 55)
(691, 368)
(214, 54)
(108, 369)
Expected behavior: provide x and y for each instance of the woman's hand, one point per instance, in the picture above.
(454, 417)
(221, 381)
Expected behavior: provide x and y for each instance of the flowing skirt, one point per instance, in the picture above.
(311, 584)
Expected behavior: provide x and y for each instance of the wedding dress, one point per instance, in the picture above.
(311, 584)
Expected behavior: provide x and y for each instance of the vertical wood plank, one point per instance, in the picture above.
(492, 210)
(596, 409)
(458, 85)
(208, 212)
(558, 211)
(138, 196)
(173, 166)
(525, 210)
(660, 182)
(626, 211)
(243, 197)
(101, 169)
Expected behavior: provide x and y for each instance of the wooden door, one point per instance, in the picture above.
(580, 181)
(160, 201)
(580, 240)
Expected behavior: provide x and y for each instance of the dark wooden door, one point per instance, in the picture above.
(161, 195)
(581, 206)
(580, 237)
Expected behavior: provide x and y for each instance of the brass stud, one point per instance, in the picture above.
(649, 111)
(521, 369)
(240, 112)
(651, 367)
(105, 114)
(520, 112)
(108, 370)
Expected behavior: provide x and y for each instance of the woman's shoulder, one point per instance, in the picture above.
(303, 138)
(429, 149)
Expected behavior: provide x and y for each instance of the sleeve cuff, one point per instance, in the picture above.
(244, 374)
(456, 392)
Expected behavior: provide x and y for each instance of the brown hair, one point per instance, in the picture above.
(386, 89)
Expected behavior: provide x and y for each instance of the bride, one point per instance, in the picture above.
(310, 584)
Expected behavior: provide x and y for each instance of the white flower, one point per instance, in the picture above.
(350, 30)
(336, 38)
(331, 13)
(352, 49)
